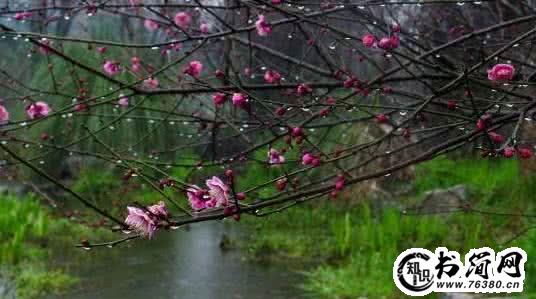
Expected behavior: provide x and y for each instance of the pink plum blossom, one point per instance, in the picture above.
(197, 197)
(272, 77)
(37, 110)
(395, 41)
(339, 184)
(183, 19)
(140, 221)
(159, 210)
(150, 83)
(150, 25)
(4, 115)
(123, 101)
(368, 40)
(509, 152)
(307, 159)
(21, 16)
(111, 68)
(239, 99)
(275, 157)
(194, 68)
(303, 89)
(204, 28)
(44, 48)
(263, 28)
(281, 184)
(384, 43)
(496, 138)
(524, 152)
(219, 98)
(136, 64)
(501, 72)
(218, 191)
(296, 132)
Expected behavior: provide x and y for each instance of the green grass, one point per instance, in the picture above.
(356, 246)
(28, 232)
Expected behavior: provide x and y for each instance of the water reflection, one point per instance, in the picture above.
(179, 264)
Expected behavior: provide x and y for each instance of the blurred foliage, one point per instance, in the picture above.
(356, 248)
(28, 235)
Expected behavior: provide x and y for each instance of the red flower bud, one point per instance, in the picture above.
(381, 118)
(524, 153)
(241, 196)
(297, 131)
(509, 152)
(452, 104)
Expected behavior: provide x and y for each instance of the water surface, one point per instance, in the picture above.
(186, 264)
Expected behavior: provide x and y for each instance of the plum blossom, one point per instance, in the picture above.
(276, 2)
(123, 101)
(183, 19)
(194, 68)
(483, 122)
(384, 43)
(239, 99)
(136, 64)
(280, 111)
(263, 28)
(452, 104)
(21, 16)
(159, 210)
(219, 98)
(496, 138)
(303, 89)
(197, 197)
(339, 183)
(395, 41)
(218, 191)
(204, 28)
(501, 72)
(381, 118)
(272, 77)
(307, 158)
(4, 115)
(368, 40)
(296, 132)
(145, 221)
(81, 107)
(389, 43)
(37, 110)
(275, 157)
(217, 195)
(219, 74)
(150, 25)
(509, 152)
(44, 47)
(281, 184)
(111, 68)
(150, 83)
(524, 153)
(141, 222)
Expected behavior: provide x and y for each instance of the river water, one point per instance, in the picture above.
(186, 264)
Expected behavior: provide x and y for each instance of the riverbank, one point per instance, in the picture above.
(30, 235)
(345, 246)
(354, 244)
